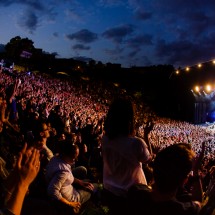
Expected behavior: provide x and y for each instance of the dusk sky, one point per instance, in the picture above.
(132, 32)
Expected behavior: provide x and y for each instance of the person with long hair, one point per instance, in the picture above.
(123, 153)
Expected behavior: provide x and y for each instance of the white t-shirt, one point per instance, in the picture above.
(122, 163)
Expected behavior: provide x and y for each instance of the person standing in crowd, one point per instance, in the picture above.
(123, 153)
(11, 93)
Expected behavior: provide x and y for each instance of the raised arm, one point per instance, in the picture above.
(197, 190)
(25, 171)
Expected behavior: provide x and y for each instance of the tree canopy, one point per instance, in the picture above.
(17, 45)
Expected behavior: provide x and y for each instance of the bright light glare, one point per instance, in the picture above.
(208, 88)
(197, 88)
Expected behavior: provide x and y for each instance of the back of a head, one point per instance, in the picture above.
(68, 148)
(120, 118)
(57, 108)
(9, 91)
(37, 128)
(172, 165)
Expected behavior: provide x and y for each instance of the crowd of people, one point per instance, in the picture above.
(65, 137)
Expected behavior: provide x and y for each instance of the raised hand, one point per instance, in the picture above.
(17, 183)
(28, 165)
(87, 185)
(198, 160)
(149, 127)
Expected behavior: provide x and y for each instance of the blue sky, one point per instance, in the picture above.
(129, 32)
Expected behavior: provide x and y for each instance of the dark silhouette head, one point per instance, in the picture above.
(120, 118)
(172, 166)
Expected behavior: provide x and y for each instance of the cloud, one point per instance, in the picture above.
(136, 58)
(181, 5)
(140, 40)
(118, 34)
(80, 47)
(140, 9)
(55, 34)
(139, 61)
(36, 4)
(73, 15)
(182, 52)
(31, 10)
(6, 3)
(141, 15)
(133, 53)
(146, 60)
(83, 36)
(176, 31)
(28, 21)
(111, 3)
(199, 22)
(116, 51)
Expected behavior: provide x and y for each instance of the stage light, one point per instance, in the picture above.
(208, 88)
(197, 88)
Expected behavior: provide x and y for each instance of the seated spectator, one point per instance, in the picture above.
(62, 185)
(52, 141)
(41, 134)
(171, 169)
(95, 159)
(83, 157)
(82, 161)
